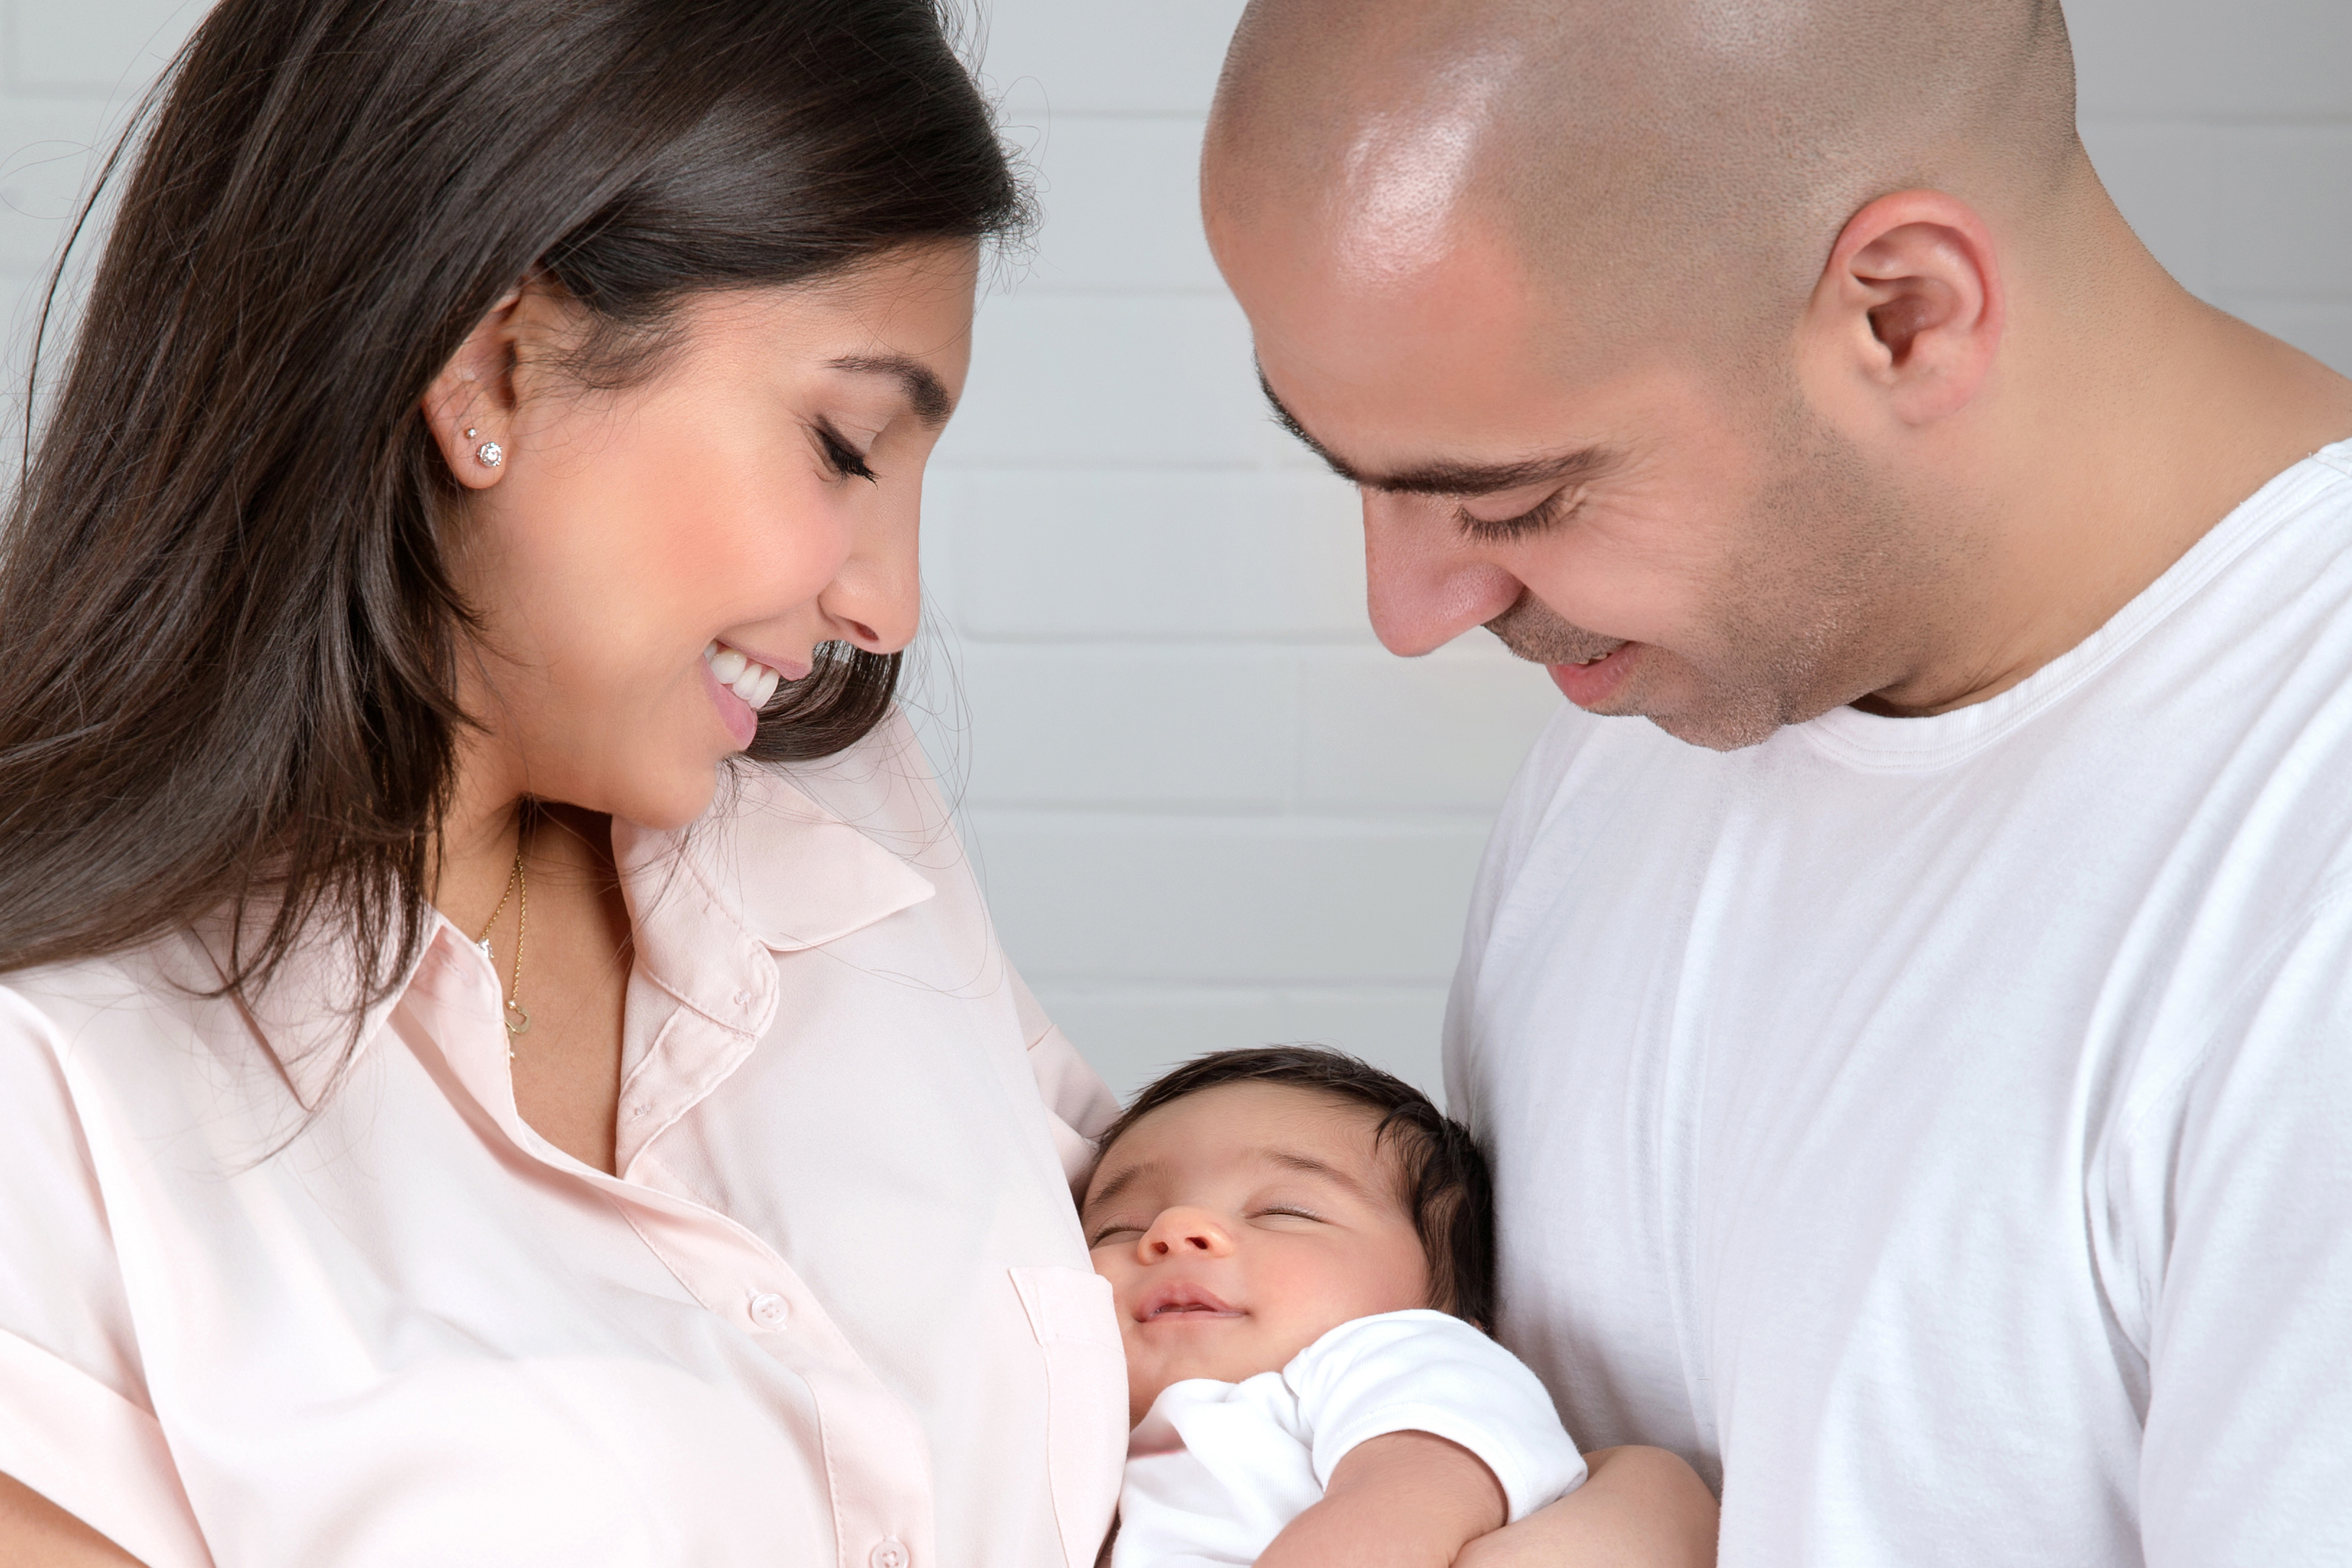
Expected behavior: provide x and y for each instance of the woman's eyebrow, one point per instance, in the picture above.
(926, 394)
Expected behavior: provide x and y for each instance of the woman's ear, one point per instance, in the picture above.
(1911, 306)
(469, 407)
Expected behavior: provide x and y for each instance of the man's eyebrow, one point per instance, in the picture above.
(1110, 1189)
(926, 394)
(1443, 478)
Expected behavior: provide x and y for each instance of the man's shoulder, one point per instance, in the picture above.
(2286, 552)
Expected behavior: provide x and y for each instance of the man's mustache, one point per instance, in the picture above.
(1532, 630)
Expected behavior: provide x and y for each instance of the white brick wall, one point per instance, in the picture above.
(1210, 810)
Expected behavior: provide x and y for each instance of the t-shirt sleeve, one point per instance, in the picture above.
(2235, 1273)
(1079, 1102)
(75, 1422)
(1426, 1372)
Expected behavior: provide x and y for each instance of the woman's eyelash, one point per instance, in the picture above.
(1534, 519)
(846, 460)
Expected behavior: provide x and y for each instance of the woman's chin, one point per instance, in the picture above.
(662, 802)
(673, 809)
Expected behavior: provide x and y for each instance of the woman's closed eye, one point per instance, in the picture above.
(846, 460)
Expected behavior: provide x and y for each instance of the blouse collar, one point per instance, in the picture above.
(766, 861)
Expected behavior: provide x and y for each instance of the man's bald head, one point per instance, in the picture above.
(1684, 158)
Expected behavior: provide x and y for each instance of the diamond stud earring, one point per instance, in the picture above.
(490, 454)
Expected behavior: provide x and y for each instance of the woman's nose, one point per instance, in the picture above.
(876, 599)
(1185, 1231)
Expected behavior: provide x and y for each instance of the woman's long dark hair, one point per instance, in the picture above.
(227, 635)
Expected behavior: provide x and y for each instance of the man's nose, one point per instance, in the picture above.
(1424, 586)
(1185, 1231)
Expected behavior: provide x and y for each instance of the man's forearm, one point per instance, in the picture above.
(1638, 1508)
(1404, 1501)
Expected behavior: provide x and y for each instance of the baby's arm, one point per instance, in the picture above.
(1404, 1501)
(1409, 1500)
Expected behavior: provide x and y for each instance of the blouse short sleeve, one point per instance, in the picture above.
(75, 1422)
(1079, 1103)
(1427, 1372)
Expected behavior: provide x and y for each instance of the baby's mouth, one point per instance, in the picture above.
(1179, 1299)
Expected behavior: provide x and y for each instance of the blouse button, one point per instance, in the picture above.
(770, 1310)
(889, 1554)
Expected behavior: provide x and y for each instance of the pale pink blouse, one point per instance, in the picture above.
(835, 1309)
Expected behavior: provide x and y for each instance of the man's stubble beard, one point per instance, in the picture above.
(1814, 609)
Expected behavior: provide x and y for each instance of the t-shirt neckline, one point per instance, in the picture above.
(1878, 742)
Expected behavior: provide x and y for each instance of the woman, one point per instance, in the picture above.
(458, 1108)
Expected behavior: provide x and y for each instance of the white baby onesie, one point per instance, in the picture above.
(1216, 1469)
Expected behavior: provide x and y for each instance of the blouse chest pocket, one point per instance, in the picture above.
(1086, 1414)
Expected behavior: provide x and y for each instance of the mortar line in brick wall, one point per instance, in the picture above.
(1167, 809)
(1065, 983)
(1035, 287)
(2243, 297)
(951, 469)
(1268, 642)
(1101, 989)
(1053, 117)
(2332, 119)
(1079, 818)
(1302, 465)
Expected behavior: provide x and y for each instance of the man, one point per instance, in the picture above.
(1917, 1061)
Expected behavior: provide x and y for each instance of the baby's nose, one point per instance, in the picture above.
(1186, 1230)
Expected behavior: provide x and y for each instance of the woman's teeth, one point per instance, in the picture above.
(752, 680)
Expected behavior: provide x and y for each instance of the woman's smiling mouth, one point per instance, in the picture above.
(741, 685)
(754, 682)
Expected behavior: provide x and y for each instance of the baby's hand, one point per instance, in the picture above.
(1404, 1501)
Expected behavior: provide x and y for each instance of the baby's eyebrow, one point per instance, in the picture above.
(1308, 1165)
(1121, 1182)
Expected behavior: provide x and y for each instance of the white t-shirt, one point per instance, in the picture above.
(1216, 1469)
(1941, 1128)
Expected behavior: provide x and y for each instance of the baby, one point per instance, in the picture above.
(1302, 1251)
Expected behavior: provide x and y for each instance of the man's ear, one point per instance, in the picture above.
(1911, 305)
(469, 407)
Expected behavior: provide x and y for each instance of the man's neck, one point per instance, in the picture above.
(2128, 438)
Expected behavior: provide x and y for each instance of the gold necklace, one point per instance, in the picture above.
(520, 892)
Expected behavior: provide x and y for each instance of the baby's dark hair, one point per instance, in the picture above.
(1442, 1180)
